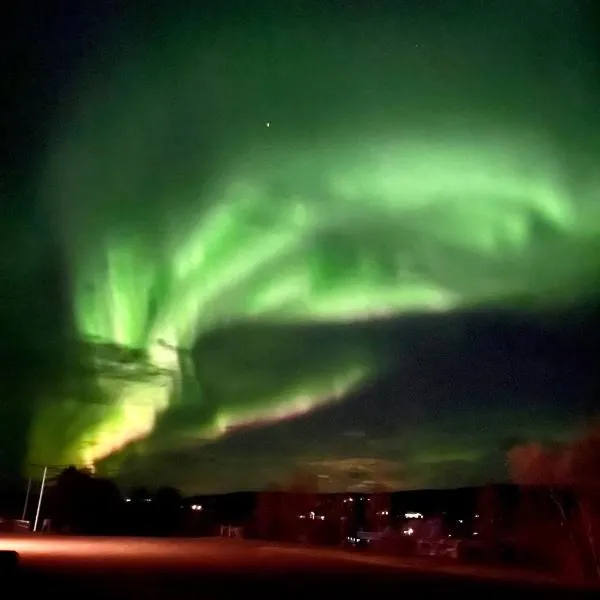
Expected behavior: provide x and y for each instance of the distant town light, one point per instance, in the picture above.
(408, 531)
(413, 515)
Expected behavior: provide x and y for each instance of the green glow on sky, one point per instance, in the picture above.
(181, 220)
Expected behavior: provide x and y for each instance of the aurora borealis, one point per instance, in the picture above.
(255, 212)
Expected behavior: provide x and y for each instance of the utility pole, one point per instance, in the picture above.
(39, 506)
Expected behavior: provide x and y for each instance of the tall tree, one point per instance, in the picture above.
(571, 470)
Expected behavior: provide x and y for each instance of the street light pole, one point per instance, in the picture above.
(39, 506)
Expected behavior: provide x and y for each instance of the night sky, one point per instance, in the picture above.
(359, 239)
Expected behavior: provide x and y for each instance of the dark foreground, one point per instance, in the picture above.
(90, 568)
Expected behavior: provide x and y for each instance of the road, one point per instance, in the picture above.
(93, 568)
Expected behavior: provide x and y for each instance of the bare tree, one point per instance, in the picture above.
(574, 470)
(583, 472)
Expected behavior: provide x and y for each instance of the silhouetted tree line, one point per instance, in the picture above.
(82, 504)
(160, 514)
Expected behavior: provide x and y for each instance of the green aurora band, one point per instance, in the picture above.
(212, 222)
